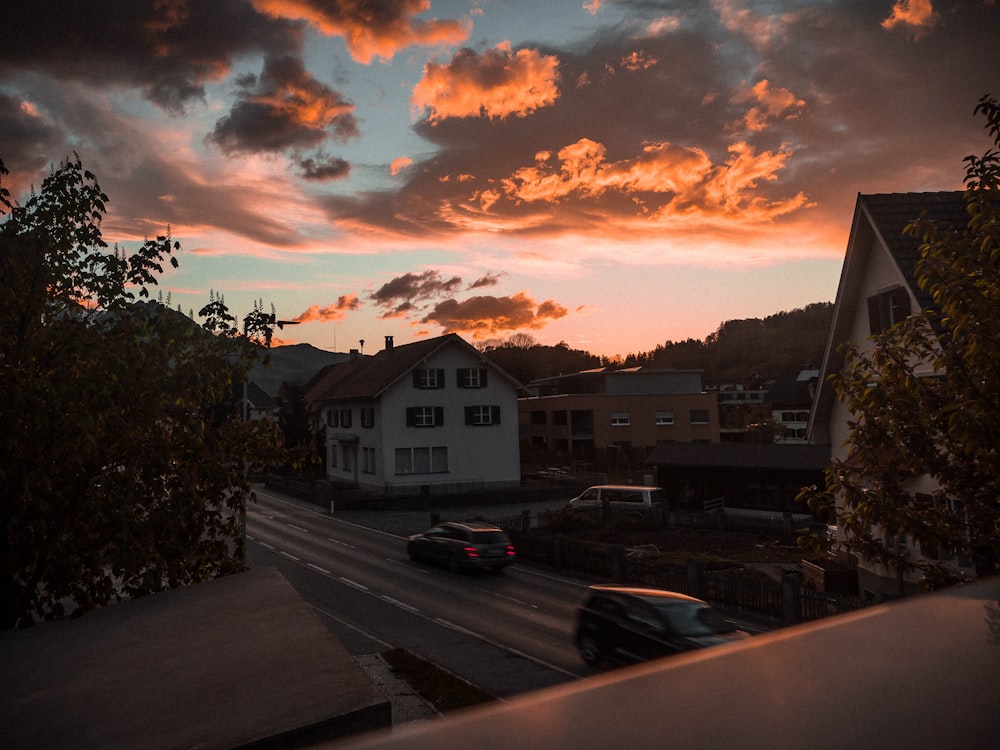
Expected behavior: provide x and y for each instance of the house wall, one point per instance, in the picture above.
(478, 457)
(880, 273)
(597, 431)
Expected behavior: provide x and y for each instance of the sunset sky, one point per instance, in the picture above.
(609, 174)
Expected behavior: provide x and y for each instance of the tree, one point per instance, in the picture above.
(121, 458)
(945, 426)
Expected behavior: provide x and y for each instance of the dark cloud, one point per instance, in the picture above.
(485, 316)
(28, 144)
(324, 169)
(169, 50)
(286, 108)
(489, 279)
(371, 28)
(407, 292)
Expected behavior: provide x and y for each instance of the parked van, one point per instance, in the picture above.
(620, 500)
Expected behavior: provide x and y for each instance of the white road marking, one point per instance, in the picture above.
(324, 571)
(353, 584)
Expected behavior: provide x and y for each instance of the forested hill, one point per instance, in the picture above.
(741, 351)
(746, 351)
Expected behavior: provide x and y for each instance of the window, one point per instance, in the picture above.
(422, 460)
(368, 417)
(333, 418)
(345, 418)
(887, 308)
(482, 415)
(664, 417)
(425, 416)
(428, 378)
(472, 377)
(699, 416)
(620, 419)
(368, 460)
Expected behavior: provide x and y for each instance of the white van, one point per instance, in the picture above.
(620, 499)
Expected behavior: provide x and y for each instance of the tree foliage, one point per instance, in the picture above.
(122, 459)
(925, 403)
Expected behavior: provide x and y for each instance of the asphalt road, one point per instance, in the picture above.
(507, 633)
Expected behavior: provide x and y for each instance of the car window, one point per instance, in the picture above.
(641, 613)
(658, 496)
(590, 496)
(489, 537)
(605, 606)
(694, 619)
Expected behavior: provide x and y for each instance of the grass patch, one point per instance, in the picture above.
(440, 688)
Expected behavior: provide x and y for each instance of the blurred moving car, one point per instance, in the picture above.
(624, 624)
(466, 545)
(620, 500)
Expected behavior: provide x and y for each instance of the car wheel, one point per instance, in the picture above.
(411, 550)
(589, 650)
(453, 565)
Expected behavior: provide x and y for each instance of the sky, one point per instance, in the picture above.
(608, 174)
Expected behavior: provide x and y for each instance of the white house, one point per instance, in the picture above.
(877, 289)
(432, 417)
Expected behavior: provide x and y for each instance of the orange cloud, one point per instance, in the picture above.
(771, 104)
(683, 179)
(918, 16)
(486, 315)
(498, 83)
(399, 164)
(338, 311)
(370, 30)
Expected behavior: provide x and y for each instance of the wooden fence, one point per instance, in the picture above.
(747, 592)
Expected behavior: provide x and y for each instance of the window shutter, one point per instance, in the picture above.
(874, 318)
(438, 415)
(495, 414)
(411, 416)
(482, 378)
(416, 378)
(901, 303)
(440, 378)
(469, 412)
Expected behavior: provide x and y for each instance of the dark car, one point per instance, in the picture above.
(624, 624)
(466, 545)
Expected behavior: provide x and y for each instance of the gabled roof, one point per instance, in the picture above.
(881, 217)
(370, 377)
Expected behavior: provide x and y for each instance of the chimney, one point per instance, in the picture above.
(388, 343)
(354, 354)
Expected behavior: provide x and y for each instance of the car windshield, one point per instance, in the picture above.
(488, 537)
(693, 618)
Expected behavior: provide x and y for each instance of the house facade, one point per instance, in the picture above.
(877, 289)
(431, 417)
(635, 409)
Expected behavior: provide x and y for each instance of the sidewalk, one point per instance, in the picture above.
(407, 704)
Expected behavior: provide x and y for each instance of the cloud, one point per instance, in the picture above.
(490, 279)
(337, 311)
(916, 16)
(370, 28)
(497, 83)
(285, 108)
(770, 103)
(404, 293)
(664, 179)
(169, 50)
(486, 316)
(324, 170)
(399, 164)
